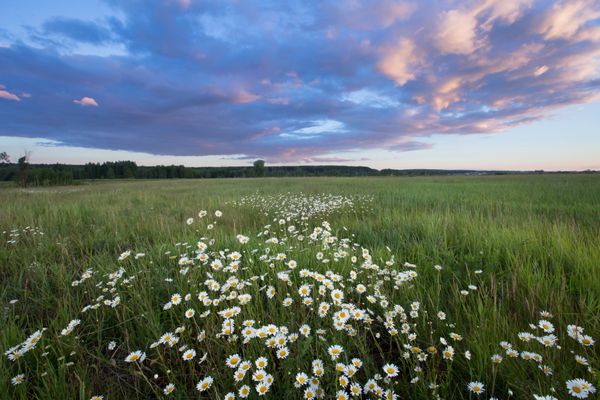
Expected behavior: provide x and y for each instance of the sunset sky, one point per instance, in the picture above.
(486, 84)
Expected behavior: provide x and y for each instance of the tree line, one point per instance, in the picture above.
(26, 174)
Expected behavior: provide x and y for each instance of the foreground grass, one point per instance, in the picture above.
(534, 237)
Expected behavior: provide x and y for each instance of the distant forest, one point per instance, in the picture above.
(25, 174)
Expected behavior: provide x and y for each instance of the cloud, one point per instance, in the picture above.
(86, 101)
(302, 80)
(400, 61)
(5, 94)
(457, 32)
(565, 19)
(243, 96)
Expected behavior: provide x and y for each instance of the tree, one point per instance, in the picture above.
(4, 158)
(259, 168)
(24, 169)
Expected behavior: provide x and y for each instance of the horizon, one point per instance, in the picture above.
(480, 85)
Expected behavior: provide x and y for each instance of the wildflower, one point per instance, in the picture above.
(136, 356)
(335, 351)
(586, 340)
(579, 388)
(204, 384)
(546, 326)
(476, 387)
(262, 389)
(176, 299)
(18, 379)
(244, 391)
(169, 389)
(282, 353)
(337, 295)
(301, 379)
(261, 362)
(581, 360)
(189, 355)
(448, 353)
(391, 370)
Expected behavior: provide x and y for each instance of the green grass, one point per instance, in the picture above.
(536, 239)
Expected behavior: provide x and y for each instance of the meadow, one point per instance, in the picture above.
(430, 287)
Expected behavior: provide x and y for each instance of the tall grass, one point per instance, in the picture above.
(536, 239)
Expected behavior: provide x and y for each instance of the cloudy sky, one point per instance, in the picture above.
(489, 84)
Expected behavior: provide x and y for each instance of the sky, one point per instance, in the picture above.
(481, 84)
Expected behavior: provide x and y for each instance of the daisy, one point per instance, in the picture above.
(244, 391)
(476, 387)
(261, 362)
(337, 295)
(576, 389)
(259, 375)
(301, 379)
(546, 326)
(136, 356)
(18, 379)
(262, 389)
(169, 389)
(233, 360)
(391, 370)
(335, 351)
(189, 355)
(586, 340)
(204, 384)
(176, 299)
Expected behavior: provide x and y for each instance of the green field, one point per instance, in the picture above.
(526, 244)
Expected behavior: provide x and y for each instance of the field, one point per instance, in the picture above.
(426, 285)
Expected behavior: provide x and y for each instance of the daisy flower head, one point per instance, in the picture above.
(244, 391)
(233, 360)
(390, 370)
(189, 355)
(18, 379)
(476, 387)
(204, 384)
(335, 351)
(136, 356)
(169, 389)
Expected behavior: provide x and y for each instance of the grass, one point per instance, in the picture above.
(534, 237)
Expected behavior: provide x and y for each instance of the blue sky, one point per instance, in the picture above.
(484, 84)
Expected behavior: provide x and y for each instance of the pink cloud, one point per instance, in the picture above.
(86, 101)
(243, 96)
(399, 61)
(457, 32)
(564, 20)
(5, 94)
